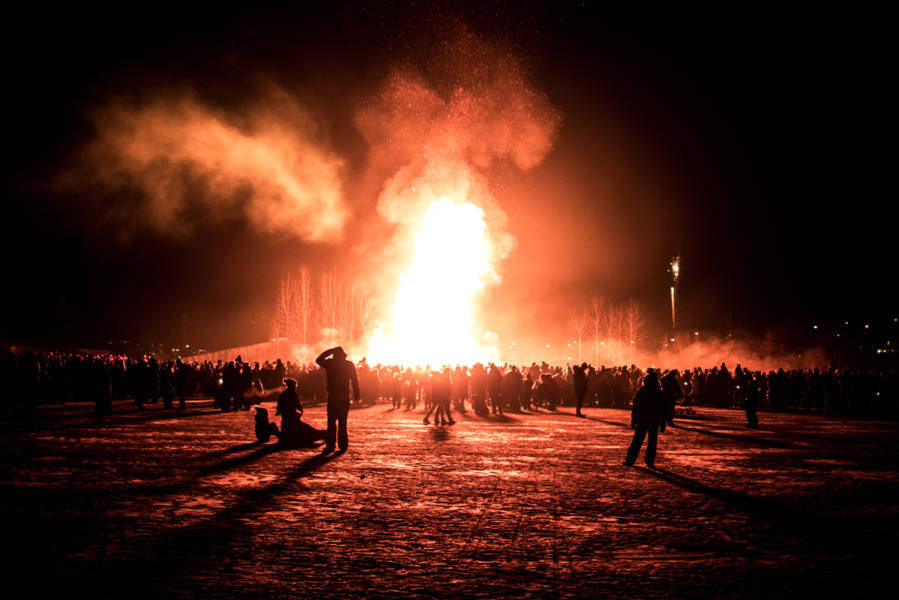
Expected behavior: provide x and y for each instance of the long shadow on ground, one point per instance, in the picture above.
(164, 566)
(737, 437)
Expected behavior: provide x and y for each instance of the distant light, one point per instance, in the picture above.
(814, 326)
(845, 322)
(867, 326)
(602, 343)
(547, 345)
(695, 333)
(632, 341)
(670, 339)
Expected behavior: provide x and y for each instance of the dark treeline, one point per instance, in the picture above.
(49, 378)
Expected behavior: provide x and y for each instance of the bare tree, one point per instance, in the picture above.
(597, 306)
(283, 306)
(613, 332)
(332, 312)
(328, 307)
(633, 325)
(304, 298)
(577, 320)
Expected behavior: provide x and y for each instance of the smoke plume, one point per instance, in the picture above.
(189, 162)
(438, 135)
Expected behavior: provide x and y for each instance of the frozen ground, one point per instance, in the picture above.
(182, 504)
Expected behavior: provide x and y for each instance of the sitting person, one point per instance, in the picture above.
(264, 428)
(294, 431)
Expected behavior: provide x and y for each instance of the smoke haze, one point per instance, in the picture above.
(188, 162)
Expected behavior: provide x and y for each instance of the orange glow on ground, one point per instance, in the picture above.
(432, 321)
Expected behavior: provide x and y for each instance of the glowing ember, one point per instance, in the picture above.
(433, 320)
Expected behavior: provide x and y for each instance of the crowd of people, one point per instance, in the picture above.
(33, 377)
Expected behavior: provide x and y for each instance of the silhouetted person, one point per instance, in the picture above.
(527, 388)
(289, 407)
(341, 373)
(101, 384)
(294, 432)
(579, 379)
(230, 385)
(441, 392)
(672, 393)
(647, 414)
(511, 389)
(478, 381)
(264, 428)
(245, 386)
(167, 384)
(751, 402)
(140, 375)
(547, 393)
(494, 389)
(180, 382)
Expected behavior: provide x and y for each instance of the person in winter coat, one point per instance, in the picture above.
(647, 415)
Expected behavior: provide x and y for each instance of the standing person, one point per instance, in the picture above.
(494, 388)
(180, 382)
(647, 414)
(441, 392)
(672, 393)
(751, 401)
(526, 390)
(340, 373)
(579, 378)
(478, 382)
(166, 384)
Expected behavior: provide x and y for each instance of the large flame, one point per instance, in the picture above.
(433, 315)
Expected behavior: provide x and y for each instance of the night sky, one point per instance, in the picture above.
(752, 144)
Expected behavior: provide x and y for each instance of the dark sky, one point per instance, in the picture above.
(751, 143)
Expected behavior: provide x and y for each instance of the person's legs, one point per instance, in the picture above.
(580, 403)
(428, 414)
(752, 417)
(651, 446)
(634, 450)
(331, 436)
(342, 436)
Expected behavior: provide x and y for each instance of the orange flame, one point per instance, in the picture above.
(433, 317)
